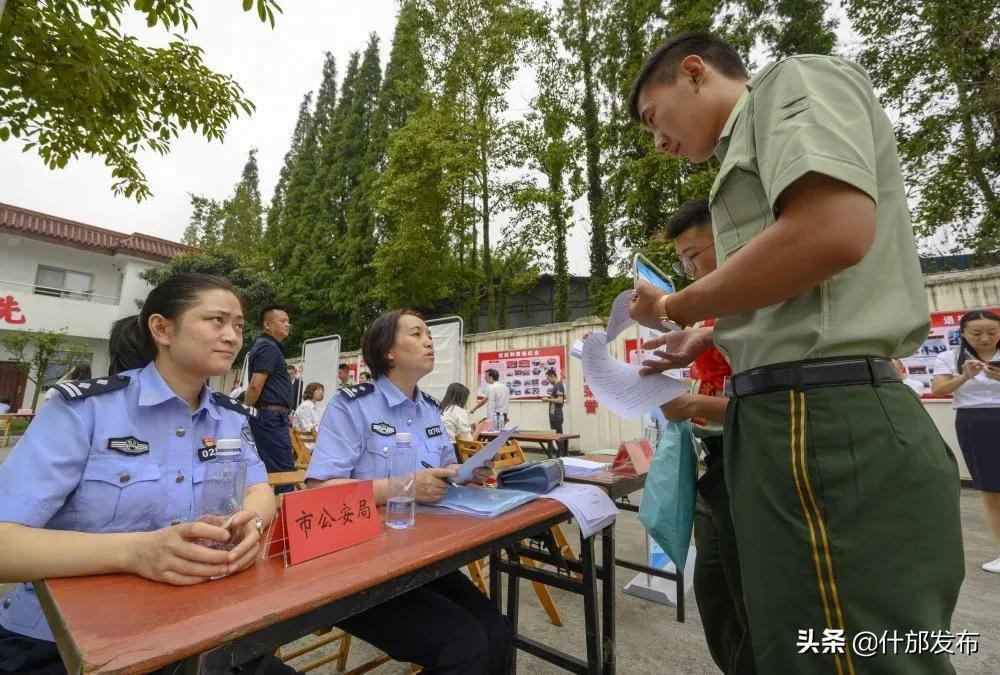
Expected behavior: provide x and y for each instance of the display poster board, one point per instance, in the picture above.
(523, 370)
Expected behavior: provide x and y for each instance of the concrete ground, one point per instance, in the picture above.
(649, 639)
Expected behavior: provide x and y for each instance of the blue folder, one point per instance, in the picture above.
(482, 502)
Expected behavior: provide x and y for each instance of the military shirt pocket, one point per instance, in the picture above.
(740, 209)
(117, 496)
(374, 460)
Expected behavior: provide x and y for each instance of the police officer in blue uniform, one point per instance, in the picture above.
(270, 390)
(108, 476)
(446, 626)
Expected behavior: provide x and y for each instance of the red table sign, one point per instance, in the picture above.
(633, 458)
(326, 519)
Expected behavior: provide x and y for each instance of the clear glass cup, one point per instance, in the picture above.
(401, 499)
(222, 489)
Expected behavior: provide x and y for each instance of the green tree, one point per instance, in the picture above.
(257, 288)
(475, 48)
(798, 27)
(938, 65)
(35, 350)
(72, 83)
(278, 244)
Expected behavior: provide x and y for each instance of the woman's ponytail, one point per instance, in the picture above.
(130, 345)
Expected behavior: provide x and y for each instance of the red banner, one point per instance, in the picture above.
(523, 370)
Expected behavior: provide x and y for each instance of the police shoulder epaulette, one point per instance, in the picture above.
(234, 405)
(430, 399)
(356, 391)
(81, 389)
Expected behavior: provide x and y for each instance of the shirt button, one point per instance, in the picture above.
(124, 478)
(409, 421)
(180, 431)
(6, 602)
(179, 479)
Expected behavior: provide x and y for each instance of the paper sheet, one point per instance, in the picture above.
(589, 504)
(485, 454)
(619, 319)
(619, 385)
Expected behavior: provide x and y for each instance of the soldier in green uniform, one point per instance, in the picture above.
(845, 499)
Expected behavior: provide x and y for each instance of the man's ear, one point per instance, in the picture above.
(693, 69)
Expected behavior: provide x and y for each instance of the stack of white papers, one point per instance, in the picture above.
(589, 504)
(582, 467)
(482, 502)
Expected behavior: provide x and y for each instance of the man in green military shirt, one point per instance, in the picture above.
(845, 498)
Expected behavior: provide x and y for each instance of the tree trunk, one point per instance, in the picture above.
(591, 133)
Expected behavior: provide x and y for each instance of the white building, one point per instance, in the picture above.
(60, 275)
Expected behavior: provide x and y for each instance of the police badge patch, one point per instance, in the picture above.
(129, 445)
(383, 429)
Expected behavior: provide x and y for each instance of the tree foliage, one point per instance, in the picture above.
(72, 83)
(35, 350)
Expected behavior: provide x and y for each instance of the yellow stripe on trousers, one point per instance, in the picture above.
(803, 486)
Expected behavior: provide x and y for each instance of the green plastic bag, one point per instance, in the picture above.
(667, 509)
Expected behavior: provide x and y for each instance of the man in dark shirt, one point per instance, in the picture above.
(270, 391)
(556, 397)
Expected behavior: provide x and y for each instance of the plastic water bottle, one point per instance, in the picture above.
(222, 487)
(402, 494)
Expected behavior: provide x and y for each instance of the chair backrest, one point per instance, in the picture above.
(509, 455)
(303, 454)
(5, 420)
(466, 449)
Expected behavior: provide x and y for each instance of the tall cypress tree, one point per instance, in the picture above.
(276, 239)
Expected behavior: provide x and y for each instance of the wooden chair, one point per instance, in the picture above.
(5, 424)
(302, 452)
(294, 478)
(511, 455)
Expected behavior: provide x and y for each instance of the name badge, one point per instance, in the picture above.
(434, 431)
(206, 452)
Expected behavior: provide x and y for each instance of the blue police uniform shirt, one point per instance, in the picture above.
(120, 461)
(265, 357)
(359, 427)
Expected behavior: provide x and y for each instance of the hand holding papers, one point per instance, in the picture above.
(619, 385)
(485, 454)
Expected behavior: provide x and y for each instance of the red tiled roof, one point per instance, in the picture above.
(35, 225)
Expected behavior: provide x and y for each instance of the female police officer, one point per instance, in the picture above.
(107, 477)
(446, 626)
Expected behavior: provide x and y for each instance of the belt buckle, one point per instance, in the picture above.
(727, 387)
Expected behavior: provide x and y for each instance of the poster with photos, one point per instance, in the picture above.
(523, 370)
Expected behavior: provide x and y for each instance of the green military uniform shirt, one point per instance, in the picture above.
(818, 114)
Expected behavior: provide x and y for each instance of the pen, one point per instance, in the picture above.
(446, 480)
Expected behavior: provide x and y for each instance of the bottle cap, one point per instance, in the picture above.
(403, 437)
(228, 446)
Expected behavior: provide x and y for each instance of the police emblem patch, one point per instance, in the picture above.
(383, 429)
(129, 445)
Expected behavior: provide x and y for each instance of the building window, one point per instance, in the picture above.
(60, 283)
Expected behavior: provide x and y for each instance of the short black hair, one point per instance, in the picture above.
(692, 214)
(491, 372)
(664, 61)
(552, 371)
(344, 366)
(267, 310)
(379, 338)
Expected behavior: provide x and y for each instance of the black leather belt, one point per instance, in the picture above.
(833, 372)
(276, 408)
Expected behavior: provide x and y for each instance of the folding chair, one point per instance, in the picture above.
(302, 452)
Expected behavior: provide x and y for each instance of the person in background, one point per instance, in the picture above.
(556, 398)
(4, 405)
(913, 383)
(818, 285)
(80, 371)
(718, 585)
(365, 376)
(496, 400)
(457, 420)
(270, 391)
(971, 375)
(76, 500)
(307, 414)
(293, 375)
(447, 625)
(344, 376)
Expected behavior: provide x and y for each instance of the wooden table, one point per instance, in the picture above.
(619, 487)
(126, 624)
(551, 443)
